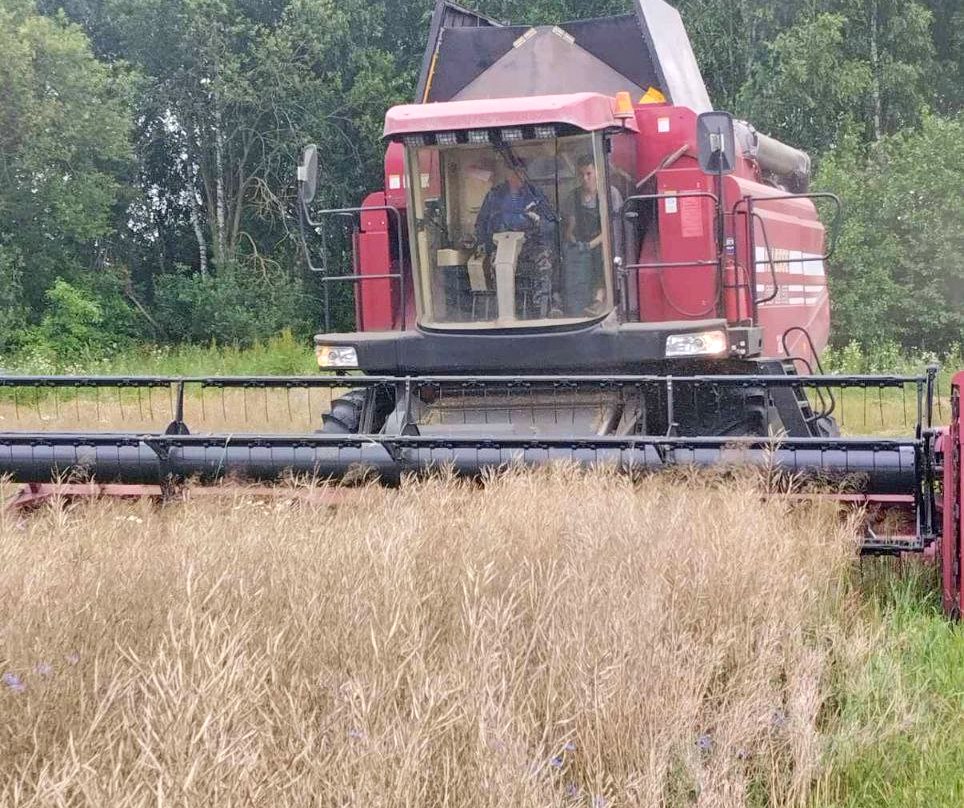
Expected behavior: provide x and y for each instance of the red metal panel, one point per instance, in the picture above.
(797, 244)
(663, 129)
(395, 176)
(375, 300)
(33, 495)
(952, 536)
(686, 235)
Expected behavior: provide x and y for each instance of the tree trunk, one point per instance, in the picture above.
(222, 215)
(875, 69)
(202, 243)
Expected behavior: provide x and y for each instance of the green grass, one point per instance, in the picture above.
(900, 736)
(280, 355)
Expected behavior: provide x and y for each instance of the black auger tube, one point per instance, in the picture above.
(871, 465)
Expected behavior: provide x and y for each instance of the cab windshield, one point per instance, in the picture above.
(511, 233)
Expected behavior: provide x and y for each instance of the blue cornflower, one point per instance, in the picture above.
(13, 682)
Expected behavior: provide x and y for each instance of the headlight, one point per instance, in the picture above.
(703, 343)
(336, 356)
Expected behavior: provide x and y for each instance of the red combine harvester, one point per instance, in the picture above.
(573, 258)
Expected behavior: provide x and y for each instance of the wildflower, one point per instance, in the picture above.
(44, 669)
(13, 682)
(704, 743)
(557, 762)
(73, 658)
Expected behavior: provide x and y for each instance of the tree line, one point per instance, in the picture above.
(147, 150)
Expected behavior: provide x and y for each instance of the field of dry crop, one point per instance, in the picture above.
(547, 639)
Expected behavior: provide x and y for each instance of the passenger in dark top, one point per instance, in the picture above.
(584, 236)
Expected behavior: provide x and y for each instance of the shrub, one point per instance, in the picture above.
(77, 327)
(897, 274)
(234, 306)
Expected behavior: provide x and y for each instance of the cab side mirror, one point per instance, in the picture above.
(716, 142)
(308, 173)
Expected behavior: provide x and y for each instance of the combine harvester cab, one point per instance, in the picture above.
(653, 236)
(574, 258)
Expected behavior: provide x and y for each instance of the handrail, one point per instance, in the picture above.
(834, 227)
(623, 270)
(354, 277)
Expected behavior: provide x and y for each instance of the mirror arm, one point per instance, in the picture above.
(304, 222)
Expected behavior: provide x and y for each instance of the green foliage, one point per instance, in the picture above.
(860, 67)
(73, 329)
(808, 91)
(234, 306)
(283, 353)
(64, 147)
(897, 274)
(12, 309)
(214, 99)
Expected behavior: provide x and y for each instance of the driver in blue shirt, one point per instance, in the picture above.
(515, 205)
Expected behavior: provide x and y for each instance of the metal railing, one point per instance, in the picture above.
(881, 402)
(355, 276)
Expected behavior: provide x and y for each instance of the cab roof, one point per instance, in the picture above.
(591, 112)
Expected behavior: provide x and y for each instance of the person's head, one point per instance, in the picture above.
(586, 171)
(514, 174)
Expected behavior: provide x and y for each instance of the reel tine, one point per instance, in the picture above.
(120, 402)
(140, 404)
(97, 403)
(56, 404)
(224, 406)
(903, 401)
(937, 395)
(288, 399)
(16, 402)
(880, 402)
(267, 418)
(865, 404)
(150, 403)
(843, 405)
(203, 408)
(244, 402)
